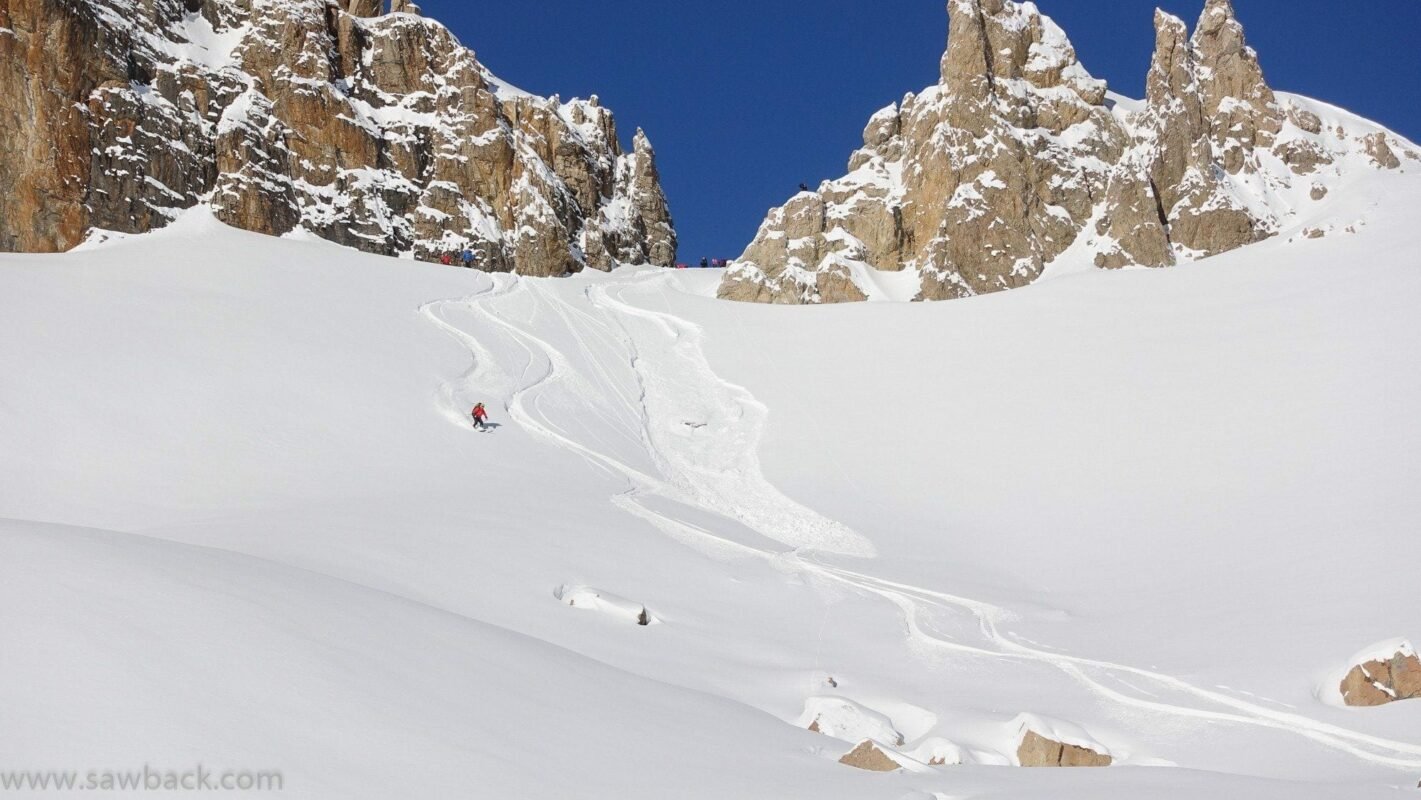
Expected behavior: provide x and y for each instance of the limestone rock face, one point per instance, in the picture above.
(636, 227)
(1018, 158)
(376, 131)
(361, 8)
(1209, 112)
(1384, 680)
(45, 152)
(1242, 112)
(1381, 152)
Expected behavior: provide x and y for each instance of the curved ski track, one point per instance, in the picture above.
(721, 475)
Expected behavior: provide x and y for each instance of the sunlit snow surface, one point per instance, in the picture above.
(248, 524)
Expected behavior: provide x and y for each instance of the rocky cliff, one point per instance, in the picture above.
(1019, 159)
(374, 130)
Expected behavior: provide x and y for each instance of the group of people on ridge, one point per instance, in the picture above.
(468, 259)
(465, 259)
(708, 263)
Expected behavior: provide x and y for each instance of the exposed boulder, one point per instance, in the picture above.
(1047, 743)
(376, 131)
(1381, 152)
(871, 757)
(1038, 751)
(1383, 678)
(1306, 121)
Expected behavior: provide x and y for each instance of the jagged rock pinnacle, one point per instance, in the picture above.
(1018, 156)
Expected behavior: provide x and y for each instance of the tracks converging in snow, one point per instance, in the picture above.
(675, 430)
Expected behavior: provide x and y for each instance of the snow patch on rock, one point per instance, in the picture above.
(841, 718)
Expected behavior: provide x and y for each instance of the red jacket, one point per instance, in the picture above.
(480, 412)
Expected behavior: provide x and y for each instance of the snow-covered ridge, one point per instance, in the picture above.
(377, 131)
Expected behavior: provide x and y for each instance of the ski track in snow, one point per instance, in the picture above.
(716, 468)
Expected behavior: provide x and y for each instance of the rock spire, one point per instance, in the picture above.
(1018, 158)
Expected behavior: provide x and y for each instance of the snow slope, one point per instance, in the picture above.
(246, 523)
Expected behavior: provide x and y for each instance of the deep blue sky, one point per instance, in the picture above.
(744, 100)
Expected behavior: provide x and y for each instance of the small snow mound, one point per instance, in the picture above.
(590, 599)
(843, 719)
(1383, 651)
(937, 752)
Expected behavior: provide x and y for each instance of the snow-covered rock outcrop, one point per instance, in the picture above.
(1384, 674)
(1051, 743)
(870, 756)
(1019, 158)
(844, 719)
(377, 131)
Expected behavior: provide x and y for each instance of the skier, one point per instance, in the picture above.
(480, 417)
(705, 263)
(468, 258)
(446, 259)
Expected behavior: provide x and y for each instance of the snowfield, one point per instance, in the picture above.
(246, 523)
